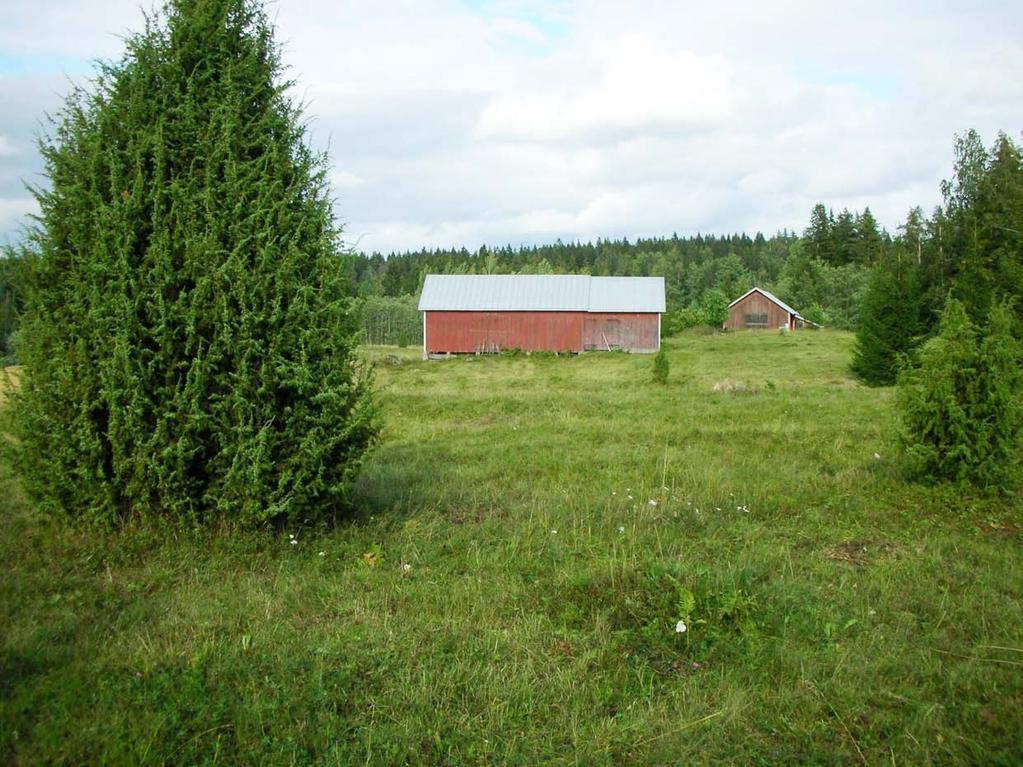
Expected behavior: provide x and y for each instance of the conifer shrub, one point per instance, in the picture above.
(890, 323)
(661, 366)
(188, 337)
(962, 407)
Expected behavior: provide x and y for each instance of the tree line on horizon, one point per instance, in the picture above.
(823, 272)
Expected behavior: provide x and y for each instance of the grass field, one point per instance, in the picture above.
(530, 532)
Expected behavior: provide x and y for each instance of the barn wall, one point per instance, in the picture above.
(632, 332)
(755, 303)
(473, 332)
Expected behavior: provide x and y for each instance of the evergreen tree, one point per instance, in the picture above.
(844, 239)
(962, 408)
(889, 322)
(869, 240)
(996, 271)
(189, 344)
(661, 366)
(817, 237)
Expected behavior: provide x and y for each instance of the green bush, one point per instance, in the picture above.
(678, 320)
(714, 308)
(816, 314)
(661, 366)
(188, 338)
(961, 407)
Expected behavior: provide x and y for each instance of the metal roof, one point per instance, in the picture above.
(769, 297)
(627, 294)
(541, 293)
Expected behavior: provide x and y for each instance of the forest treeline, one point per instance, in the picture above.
(702, 273)
(842, 264)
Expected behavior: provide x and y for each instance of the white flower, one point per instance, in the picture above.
(651, 503)
(614, 492)
(680, 627)
(406, 566)
(294, 542)
(877, 456)
(554, 532)
(322, 554)
(621, 528)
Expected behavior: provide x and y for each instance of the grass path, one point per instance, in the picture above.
(530, 532)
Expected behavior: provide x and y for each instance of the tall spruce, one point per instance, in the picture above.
(188, 338)
(890, 322)
(984, 223)
(817, 235)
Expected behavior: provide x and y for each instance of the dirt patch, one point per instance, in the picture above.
(1000, 529)
(859, 553)
(735, 387)
(464, 515)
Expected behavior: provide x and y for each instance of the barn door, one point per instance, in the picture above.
(613, 333)
(602, 333)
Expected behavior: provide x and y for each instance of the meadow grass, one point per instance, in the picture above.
(528, 535)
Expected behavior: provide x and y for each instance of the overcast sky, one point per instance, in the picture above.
(505, 121)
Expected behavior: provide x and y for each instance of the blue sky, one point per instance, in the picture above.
(469, 122)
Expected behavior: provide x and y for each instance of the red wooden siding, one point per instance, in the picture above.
(756, 304)
(633, 332)
(474, 332)
(470, 332)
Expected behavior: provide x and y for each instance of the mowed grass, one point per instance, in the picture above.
(529, 533)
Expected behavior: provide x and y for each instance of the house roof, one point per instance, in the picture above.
(542, 292)
(770, 297)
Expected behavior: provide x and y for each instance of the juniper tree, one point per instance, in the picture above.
(188, 338)
(661, 366)
(962, 407)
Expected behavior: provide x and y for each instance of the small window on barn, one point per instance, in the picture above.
(756, 320)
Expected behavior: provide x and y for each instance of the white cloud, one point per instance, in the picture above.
(630, 87)
(454, 124)
(13, 216)
(342, 179)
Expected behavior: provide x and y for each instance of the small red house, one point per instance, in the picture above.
(758, 309)
(485, 313)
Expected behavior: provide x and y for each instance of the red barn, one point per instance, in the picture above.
(485, 313)
(758, 309)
